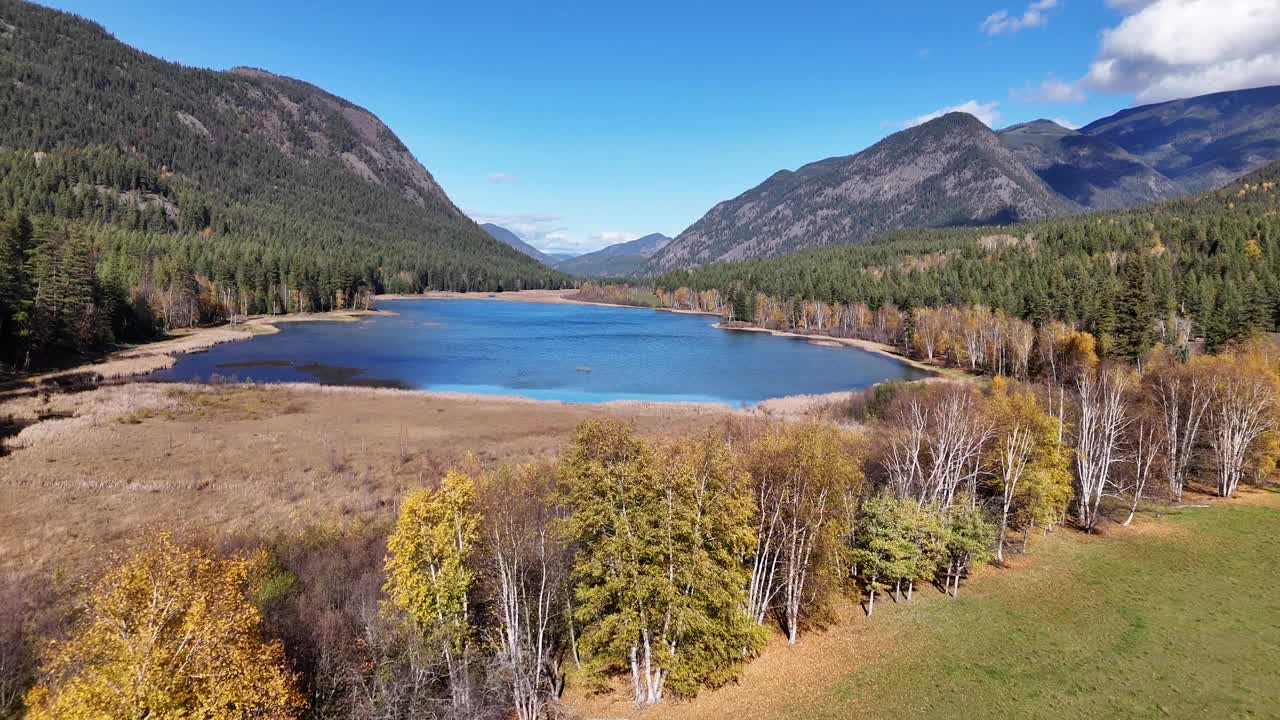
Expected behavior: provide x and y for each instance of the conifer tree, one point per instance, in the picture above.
(1135, 311)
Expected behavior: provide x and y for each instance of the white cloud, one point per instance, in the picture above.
(532, 228)
(1066, 123)
(613, 237)
(1129, 5)
(1050, 90)
(548, 232)
(1166, 49)
(1034, 16)
(986, 112)
(499, 178)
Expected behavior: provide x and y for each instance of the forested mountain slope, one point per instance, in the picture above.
(1201, 142)
(1091, 171)
(1209, 262)
(505, 236)
(616, 260)
(949, 171)
(214, 192)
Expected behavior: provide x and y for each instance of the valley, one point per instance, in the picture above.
(979, 415)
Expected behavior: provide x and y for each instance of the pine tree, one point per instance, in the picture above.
(15, 287)
(1135, 311)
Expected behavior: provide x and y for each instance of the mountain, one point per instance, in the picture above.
(502, 234)
(617, 260)
(560, 257)
(1212, 260)
(1202, 142)
(249, 160)
(1091, 171)
(949, 171)
(1154, 152)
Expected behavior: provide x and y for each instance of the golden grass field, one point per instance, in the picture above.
(110, 463)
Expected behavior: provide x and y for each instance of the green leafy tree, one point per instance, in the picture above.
(885, 550)
(968, 542)
(659, 581)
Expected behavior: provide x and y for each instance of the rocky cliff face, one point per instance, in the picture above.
(950, 171)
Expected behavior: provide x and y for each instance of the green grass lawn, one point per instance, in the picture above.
(1177, 619)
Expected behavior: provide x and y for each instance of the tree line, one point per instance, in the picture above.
(1206, 267)
(96, 238)
(663, 564)
(203, 195)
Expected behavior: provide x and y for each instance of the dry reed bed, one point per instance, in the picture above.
(255, 459)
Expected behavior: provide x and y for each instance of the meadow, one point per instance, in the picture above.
(1176, 616)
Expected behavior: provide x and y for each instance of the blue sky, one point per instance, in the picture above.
(580, 124)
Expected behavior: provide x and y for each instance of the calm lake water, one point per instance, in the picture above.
(575, 353)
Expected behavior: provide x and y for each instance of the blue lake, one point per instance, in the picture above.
(575, 353)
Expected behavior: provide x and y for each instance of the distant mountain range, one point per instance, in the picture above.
(497, 232)
(949, 171)
(615, 260)
(1203, 142)
(955, 171)
(1089, 171)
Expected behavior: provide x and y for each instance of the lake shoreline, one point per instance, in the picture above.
(561, 297)
(140, 360)
(835, 341)
(548, 297)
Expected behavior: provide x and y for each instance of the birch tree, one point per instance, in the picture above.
(1013, 447)
(529, 562)
(968, 543)
(1242, 410)
(802, 477)
(1102, 419)
(1027, 467)
(1147, 445)
(939, 444)
(1181, 393)
(884, 552)
(927, 530)
(169, 632)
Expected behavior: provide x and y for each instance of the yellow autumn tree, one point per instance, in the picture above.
(1027, 465)
(428, 572)
(169, 633)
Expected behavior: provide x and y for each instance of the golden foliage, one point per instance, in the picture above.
(427, 572)
(169, 633)
(1045, 486)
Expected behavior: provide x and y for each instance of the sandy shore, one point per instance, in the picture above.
(867, 345)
